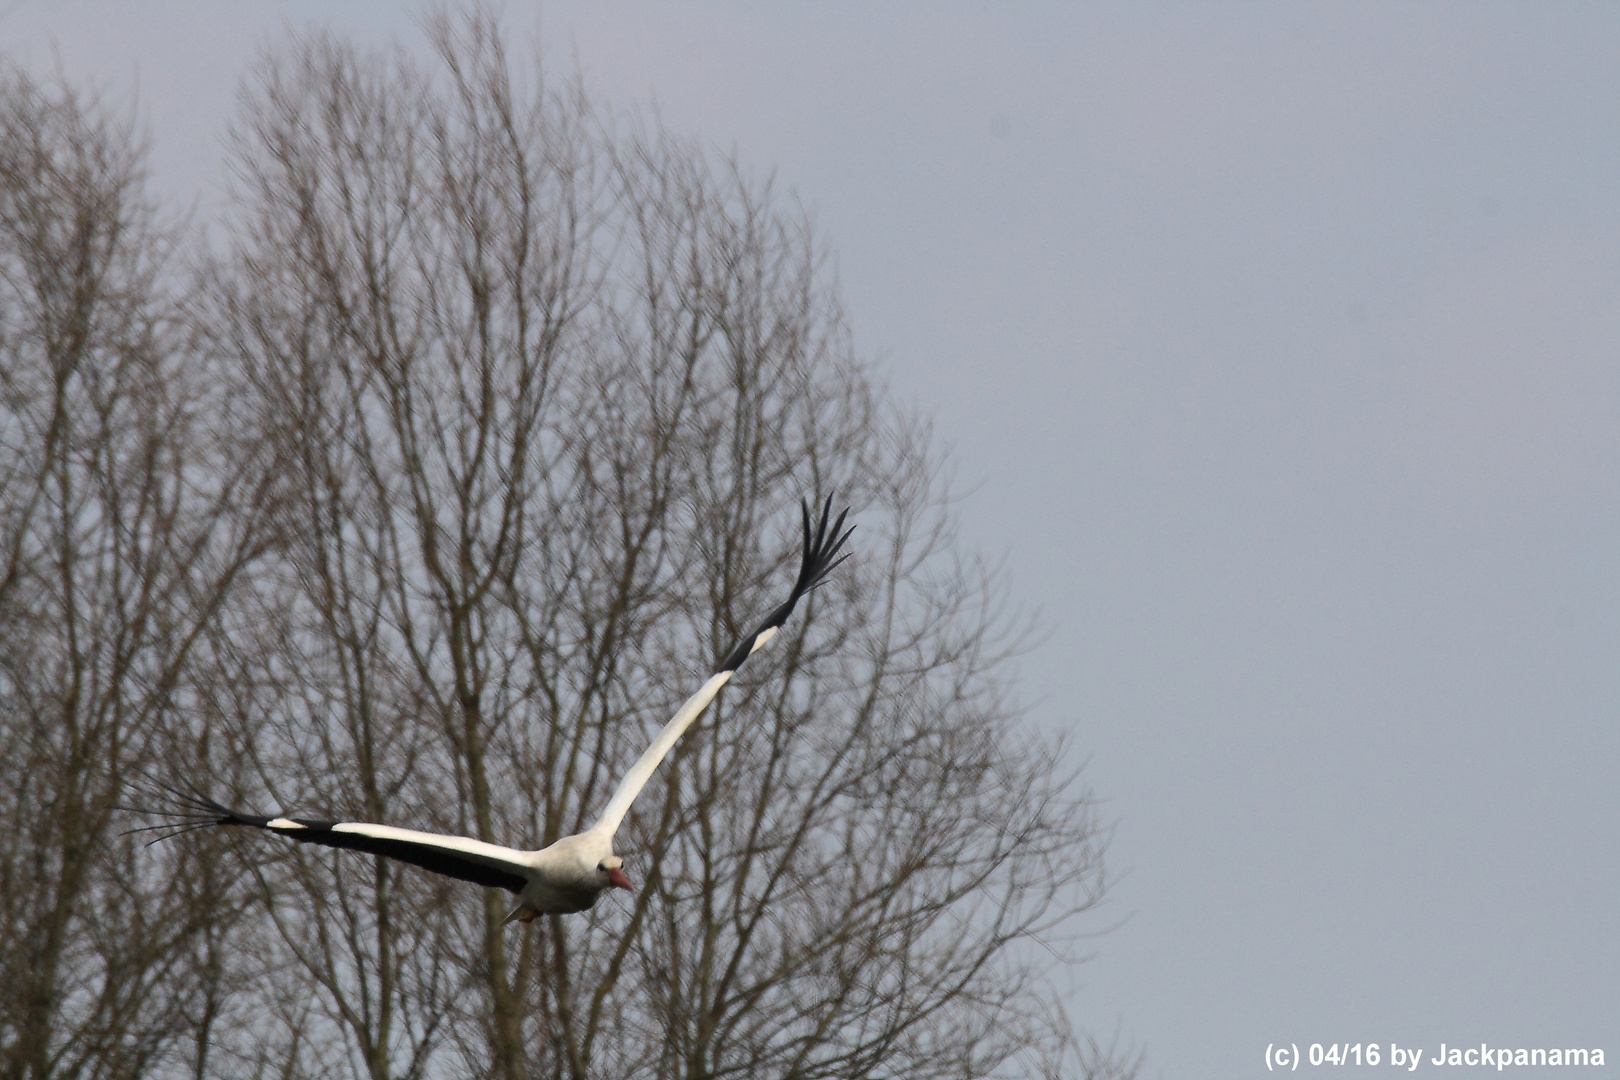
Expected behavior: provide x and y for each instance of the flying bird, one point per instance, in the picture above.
(570, 874)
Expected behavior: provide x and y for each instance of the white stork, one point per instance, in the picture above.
(570, 874)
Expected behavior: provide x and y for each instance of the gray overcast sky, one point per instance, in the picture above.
(1280, 348)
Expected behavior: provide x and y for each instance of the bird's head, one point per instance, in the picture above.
(609, 869)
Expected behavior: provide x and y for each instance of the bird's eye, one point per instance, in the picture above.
(601, 866)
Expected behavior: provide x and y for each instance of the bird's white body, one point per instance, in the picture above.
(566, 876)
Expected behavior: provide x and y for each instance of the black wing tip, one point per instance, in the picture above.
(186, 807)
(821, 546)
(822, 543)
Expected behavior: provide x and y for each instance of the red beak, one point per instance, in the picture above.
(617, 879)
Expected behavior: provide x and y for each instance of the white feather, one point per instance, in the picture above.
(642, 770)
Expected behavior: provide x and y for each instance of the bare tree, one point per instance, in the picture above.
(123, 523)
(542, 389)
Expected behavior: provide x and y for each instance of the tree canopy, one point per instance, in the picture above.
(422, 499)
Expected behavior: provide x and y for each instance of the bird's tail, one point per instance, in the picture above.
(522, 913)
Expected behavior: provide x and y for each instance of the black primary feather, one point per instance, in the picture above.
(820, 559)
(188, 810)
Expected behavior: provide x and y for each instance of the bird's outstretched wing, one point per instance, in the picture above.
(821, 547)
(453, 856)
